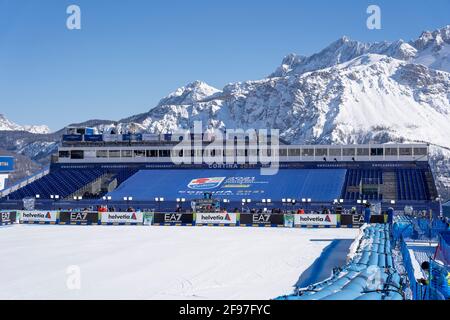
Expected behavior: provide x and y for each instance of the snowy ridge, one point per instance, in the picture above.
(7, 125)
(431, 49)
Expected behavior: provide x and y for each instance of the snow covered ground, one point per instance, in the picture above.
(157, 262)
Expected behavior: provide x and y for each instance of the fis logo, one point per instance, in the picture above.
(48, 215)
(227, 217)
(206, 183)
(133, 216)
(327, 218)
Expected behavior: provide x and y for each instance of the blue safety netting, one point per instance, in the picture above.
(370, 275)
(233, 184)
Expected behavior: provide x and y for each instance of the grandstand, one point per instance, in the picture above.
(90, 167)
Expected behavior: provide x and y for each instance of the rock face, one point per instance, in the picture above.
(350, 92)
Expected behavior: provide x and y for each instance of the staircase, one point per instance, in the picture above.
(389, 187)
(433, 194)
(96, 187)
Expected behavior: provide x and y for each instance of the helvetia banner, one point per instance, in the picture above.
(39, 216)
(262, 218)
(82, 217)
(163, 218)
(122, 217)
(315, 219)
(215, 218)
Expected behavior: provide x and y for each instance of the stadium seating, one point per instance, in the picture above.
(411, 185)
(318, 184)
(355, 177)
(58, 182)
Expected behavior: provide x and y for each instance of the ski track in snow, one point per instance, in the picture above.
(157, 262)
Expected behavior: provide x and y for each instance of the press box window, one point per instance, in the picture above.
(164, 153)
(77, 154)
(139, 153)
(64, 154)
(348, 152)
(114, 153)
(405, 151)
(308, 152)
(294, 152)
(127, 154)
(154, 153)
(420, 151)
(321, 152)
(363, 151)
(391, 151)
(335, 152)
(102, 154)
(376, 152)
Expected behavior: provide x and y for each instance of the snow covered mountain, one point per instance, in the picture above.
(431, 49)
(350, 92)
(372, 98)
(7, 125)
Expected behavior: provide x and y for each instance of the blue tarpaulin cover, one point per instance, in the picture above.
(233, 184)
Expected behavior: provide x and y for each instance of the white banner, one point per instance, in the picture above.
(315, 219)
(112, 137)
(38, 216)
(122, 217)
(150, 137)
(216, 218)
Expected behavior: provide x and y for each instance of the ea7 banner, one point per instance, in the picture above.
(356, 220)
(122, 218)
(173, 218)
(82, 217)
(7, 217)
(216, 218)
(261, 219)
(315, 220)
(39, 216)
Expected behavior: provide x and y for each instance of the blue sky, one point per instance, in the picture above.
(129, 54)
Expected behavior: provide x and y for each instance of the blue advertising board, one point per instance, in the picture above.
(72, 137)
(132, 137)
(6, 164)
(93, 138)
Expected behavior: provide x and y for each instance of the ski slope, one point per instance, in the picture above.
(157, 262)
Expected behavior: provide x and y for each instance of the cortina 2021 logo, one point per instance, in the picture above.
(206, 183)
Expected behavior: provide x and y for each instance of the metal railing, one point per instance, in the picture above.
(22, 183)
